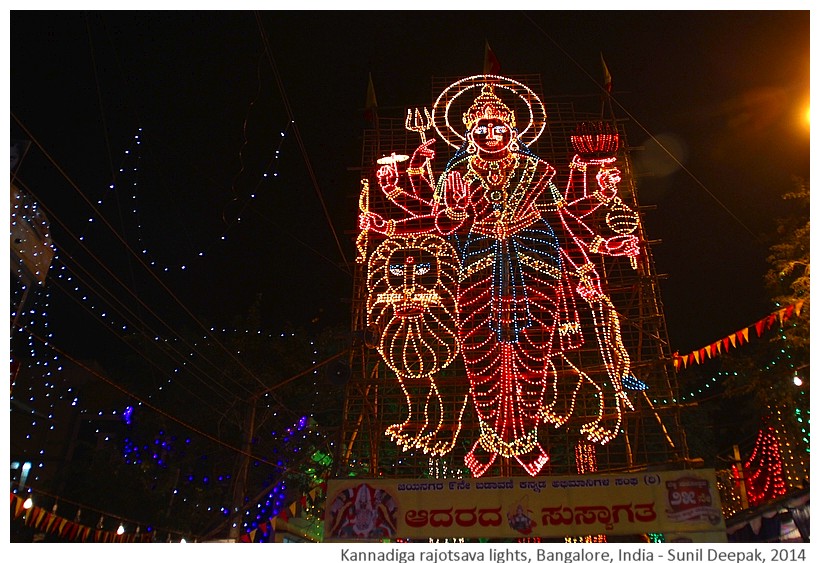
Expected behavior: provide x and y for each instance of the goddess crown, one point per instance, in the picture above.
(486, 106)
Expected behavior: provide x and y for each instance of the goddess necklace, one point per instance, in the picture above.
(496, 176)
(494, 172)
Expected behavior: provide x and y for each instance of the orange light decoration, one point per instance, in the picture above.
(412, 305)
(521, 274)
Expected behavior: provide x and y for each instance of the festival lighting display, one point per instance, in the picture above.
(411, 284)
(763, 470)
(45, 392)
(527, 291)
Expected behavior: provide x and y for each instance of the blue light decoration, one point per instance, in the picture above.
(46, 399)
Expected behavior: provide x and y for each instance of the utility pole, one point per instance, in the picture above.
(248, 432)
(744, 499)
(241, 483)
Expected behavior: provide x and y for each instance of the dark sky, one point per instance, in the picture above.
(725, 91)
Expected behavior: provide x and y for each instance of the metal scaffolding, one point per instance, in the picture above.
(651, 435)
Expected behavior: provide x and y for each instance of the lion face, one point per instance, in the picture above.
(412, 283)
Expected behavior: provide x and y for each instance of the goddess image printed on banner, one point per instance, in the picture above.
(363, 512)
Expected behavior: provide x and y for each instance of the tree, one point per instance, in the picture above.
(773, 375)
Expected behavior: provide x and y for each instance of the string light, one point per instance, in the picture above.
(524, 272)
(126, 187)
(412, 306)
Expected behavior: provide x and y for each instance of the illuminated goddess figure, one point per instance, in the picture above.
(524, 271)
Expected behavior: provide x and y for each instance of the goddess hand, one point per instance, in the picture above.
(387, 177)
(423, 153)
(372, 222)
(621, 245)
(455, 190)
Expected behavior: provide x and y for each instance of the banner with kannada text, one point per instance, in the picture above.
(670, 502)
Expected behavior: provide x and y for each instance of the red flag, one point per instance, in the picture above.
(607, 76)
(370, 104)
(491, 64)
(770, 321)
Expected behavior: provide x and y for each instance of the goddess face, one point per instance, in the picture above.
(492, 135)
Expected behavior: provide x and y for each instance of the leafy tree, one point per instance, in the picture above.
(772, 385)
(182, 462)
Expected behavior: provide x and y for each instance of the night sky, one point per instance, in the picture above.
(726, 92)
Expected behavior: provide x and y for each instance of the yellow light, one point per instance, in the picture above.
(430, 303)
(392, 158)
(411, 304)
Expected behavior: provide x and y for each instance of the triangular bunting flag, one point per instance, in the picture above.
(770, 320)
(733, 340)
(798, 308)
(759, 327)
(18, 507)
(370, 104)
(51, 521)
(39, 517)
(743, 335)
(30, 514)
(61, 525)
(607, 75)
(696, 353)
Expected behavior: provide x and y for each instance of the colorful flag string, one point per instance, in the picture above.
(737, 338)
(285, 515)
(51, 523)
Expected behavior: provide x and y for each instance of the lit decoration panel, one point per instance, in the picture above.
(412, 306)
(536, 332)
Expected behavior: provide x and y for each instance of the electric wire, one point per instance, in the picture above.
(56, 218)
(646, 131)
(148, 404)
(136, 255)
(298, 136)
